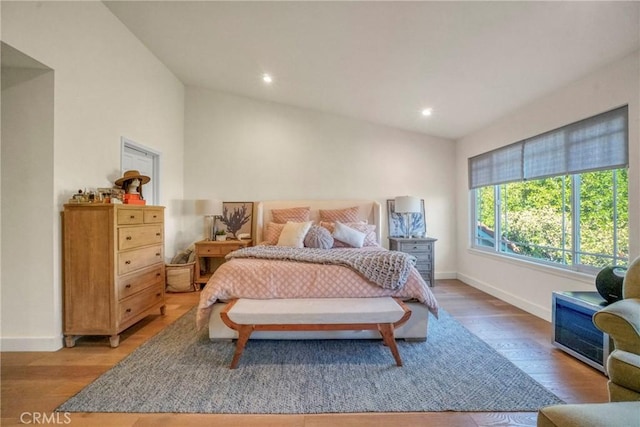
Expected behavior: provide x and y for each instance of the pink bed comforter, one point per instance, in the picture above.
(267, 279)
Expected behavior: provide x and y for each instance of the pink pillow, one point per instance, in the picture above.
(340, 215)
(272, 233)
(282, 216)
(370, 238)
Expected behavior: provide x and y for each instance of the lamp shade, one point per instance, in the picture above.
(208, 207)
(407, 204)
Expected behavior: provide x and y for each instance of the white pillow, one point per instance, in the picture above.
(293, 234)
(348, 235)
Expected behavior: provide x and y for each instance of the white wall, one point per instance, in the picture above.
(529, 286)
(239, 149)
(27, 185)
(107, 85)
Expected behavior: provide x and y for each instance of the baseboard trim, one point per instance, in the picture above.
(536, 310)
(445, 275)
(31, 344)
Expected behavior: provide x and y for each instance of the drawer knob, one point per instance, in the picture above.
(132, 217)
(128, 310)
(155, 216)
(127, 262)
(157, 253)
(128, 237)
(157, 274)
(158, 234)
(128, 286)
(158, 294)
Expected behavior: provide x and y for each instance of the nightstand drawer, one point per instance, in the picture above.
(410, 247)
(133, 237)
(426, 275)
(424, 265)
(217, 250)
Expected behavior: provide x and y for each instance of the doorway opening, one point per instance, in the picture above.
(145, 160)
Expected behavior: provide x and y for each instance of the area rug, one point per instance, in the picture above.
(181, 371)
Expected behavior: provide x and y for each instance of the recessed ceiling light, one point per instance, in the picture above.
(427, 112)
(267, 78)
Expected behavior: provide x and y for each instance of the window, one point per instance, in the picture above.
(559, 198)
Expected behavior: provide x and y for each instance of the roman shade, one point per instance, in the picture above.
(596, 143)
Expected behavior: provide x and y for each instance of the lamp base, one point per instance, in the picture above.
(407, 234)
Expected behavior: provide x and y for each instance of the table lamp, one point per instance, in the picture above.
(212, 211)
(407, 205)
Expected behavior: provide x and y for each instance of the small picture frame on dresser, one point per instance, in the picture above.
(398, 224)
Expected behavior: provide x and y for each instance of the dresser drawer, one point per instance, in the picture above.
(134, 260)
(153, 216)
(130, 216)
(134, 237)
(130, 307)
(132, 283)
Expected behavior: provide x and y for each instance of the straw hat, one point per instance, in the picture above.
(133, 174)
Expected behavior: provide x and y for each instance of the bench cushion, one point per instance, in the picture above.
(315, 311)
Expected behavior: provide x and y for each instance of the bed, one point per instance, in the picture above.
(258, 278)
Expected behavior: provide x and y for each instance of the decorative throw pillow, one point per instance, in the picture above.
(342, 215)
(282, 216)
(371, 239)
(272, 233)
(318, 237)
(181, 257)
(293, 234)
(348, 235)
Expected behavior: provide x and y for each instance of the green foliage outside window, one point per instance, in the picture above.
(536, 218)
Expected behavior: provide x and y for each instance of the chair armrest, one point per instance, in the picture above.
(621, 320)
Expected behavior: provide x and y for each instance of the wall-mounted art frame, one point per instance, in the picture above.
(398, 224)
(237, 219)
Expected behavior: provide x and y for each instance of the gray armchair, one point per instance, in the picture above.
(621, 320)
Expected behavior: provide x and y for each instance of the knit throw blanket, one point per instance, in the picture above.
(387, 269)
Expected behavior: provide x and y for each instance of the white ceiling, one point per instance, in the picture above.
(472, 62)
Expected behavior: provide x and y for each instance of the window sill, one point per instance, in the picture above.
(547, 269)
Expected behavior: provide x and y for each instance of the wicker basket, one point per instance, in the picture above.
(180, 277)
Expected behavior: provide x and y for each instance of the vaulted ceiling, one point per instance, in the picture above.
(384, 62)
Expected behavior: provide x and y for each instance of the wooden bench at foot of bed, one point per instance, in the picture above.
(315, 314)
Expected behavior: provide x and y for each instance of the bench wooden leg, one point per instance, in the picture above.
(386, 330)
(244, 332)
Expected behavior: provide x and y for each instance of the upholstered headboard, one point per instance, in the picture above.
(368, 210)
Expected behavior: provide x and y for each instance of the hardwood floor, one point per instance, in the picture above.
(34, 384)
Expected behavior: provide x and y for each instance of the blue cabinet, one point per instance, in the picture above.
(574, 331)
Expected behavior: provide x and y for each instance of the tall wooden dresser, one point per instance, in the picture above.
(114, 271)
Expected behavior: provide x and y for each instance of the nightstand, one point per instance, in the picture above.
(420, 247)
(208, 249)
